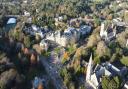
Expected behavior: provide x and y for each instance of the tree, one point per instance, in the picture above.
(96, 22)
(93, 40)
(121, 39)
(63, 72)
(26, 51)
(113, 83)
(71, 85)
(110, 17)
(78, 52)
(65, 56)
(102, 49)
(27, 41)
(124, 60)
(40, 86)
(8, 77)
(33, 59)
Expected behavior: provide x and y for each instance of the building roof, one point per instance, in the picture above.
(37, 81)
(34, 27)
(11, 21)
(89, 69)
(94, 80)
(85, 27)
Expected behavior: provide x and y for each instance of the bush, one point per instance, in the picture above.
(124, 60)
(27, 41)
(102, 50)
(113, 83)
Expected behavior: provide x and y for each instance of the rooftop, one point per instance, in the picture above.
(11, 21)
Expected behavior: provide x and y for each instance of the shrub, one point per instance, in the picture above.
(124, 60)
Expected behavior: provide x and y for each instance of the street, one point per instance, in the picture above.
(53, 73)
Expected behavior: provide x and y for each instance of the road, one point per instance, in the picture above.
(53, 73)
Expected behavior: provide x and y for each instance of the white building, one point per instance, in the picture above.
(44, 45)
(26, 13)
(90, 76)
(25, 1)
(34, 31)
(71, 35)
(93, 76)
(107, 32)
(127, 43)
(89, 69)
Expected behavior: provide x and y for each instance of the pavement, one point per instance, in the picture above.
(53, 73)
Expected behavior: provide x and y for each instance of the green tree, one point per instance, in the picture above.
(124, 60)
(71, 85)
(27, 41)
(111, 83)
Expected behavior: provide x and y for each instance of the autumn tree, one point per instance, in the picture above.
(110, 17)
(102, 49)
(65, 56)
(102, 52)
(121, 39)
(93, 40)
(27, 41)
(71, 85)
(40, 86)
(26, 51)
(33, 59)
(17, 33)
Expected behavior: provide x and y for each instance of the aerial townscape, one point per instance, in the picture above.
(63, 44)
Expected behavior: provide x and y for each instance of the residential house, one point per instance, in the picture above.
(108, 31)
(120, 25)
(26, 13)
(59, 18)
(34, 30)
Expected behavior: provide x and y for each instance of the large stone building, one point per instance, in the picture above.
(95, 73)
(63, 38)
(69, 36)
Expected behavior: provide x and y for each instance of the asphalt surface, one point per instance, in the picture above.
(53, 73)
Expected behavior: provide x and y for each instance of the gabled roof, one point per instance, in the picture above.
(89, 69)
(94, 80)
